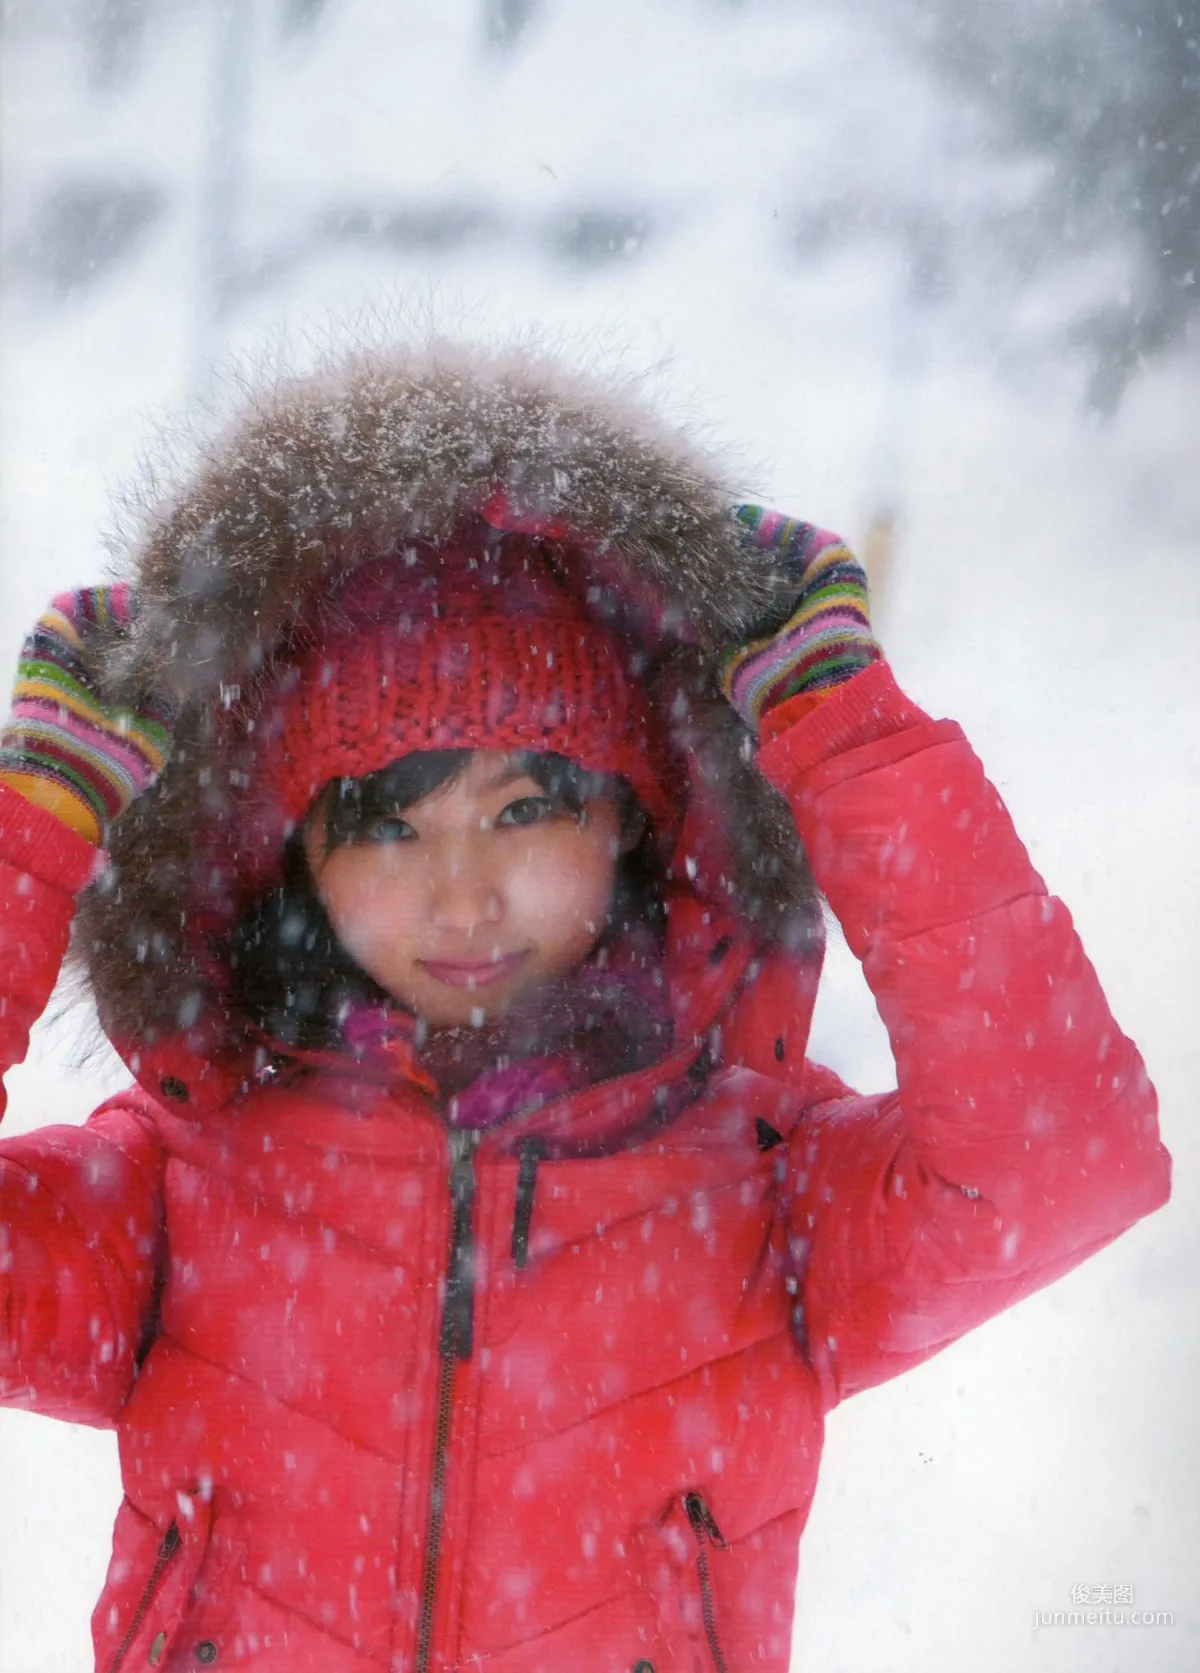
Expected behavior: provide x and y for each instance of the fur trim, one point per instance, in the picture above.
(323, 471)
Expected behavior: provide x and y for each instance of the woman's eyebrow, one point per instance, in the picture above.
(508, 775)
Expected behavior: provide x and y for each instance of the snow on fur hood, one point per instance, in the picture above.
(319, 473)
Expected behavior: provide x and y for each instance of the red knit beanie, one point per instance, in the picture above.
(477, 645)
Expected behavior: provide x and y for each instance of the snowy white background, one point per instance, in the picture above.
(1046, 592)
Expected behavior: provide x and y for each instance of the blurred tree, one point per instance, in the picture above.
(115, 30)
(84, 227)
(504, 22)
(1106, 93)
(297, 16)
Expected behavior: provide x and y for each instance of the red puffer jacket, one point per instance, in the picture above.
(557, 1402)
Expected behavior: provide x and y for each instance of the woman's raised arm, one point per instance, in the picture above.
(80, 1207)
(1023, 1134)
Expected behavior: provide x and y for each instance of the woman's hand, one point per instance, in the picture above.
(826, 637)
(63, 747)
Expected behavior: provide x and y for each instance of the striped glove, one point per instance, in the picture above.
(826, 638)
(63, 748)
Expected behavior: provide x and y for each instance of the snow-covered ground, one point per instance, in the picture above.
(1046, 592)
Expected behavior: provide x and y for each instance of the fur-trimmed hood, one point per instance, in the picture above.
(410, 444)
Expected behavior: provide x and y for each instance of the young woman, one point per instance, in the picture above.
(473, 1258)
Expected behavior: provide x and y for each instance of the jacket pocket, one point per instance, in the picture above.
(679, 1552)
(149, 1582)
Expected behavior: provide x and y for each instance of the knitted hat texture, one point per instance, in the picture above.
(475, 646)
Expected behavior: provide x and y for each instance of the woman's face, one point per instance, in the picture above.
(473, 897)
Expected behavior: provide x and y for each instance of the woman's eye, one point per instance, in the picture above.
(528, 810)
(385, 830)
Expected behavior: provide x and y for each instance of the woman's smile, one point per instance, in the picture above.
(478, 973)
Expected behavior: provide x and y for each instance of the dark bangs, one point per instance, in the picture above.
(352, 804)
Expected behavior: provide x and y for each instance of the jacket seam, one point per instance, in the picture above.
(592, 1236)
(299, 1615)
(378, 1253)
(875, 937)
(783, 1333)
(276, 1400)
(630, 1591)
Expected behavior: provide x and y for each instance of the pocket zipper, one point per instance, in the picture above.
(704, 1526)
(167, 1550)
(531, 1153)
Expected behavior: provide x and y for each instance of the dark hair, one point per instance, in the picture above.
(293, 978)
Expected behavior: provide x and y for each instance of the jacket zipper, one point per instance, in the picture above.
(455, 1342)
(170, 1544)
(705, 1528)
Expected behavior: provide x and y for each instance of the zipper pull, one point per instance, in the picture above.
(704, 1523)
(458, 1312)
(531, 1153)
(464, 1141)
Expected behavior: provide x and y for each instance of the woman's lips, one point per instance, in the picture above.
(478, 975)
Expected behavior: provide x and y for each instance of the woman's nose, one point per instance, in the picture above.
(464, 896)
